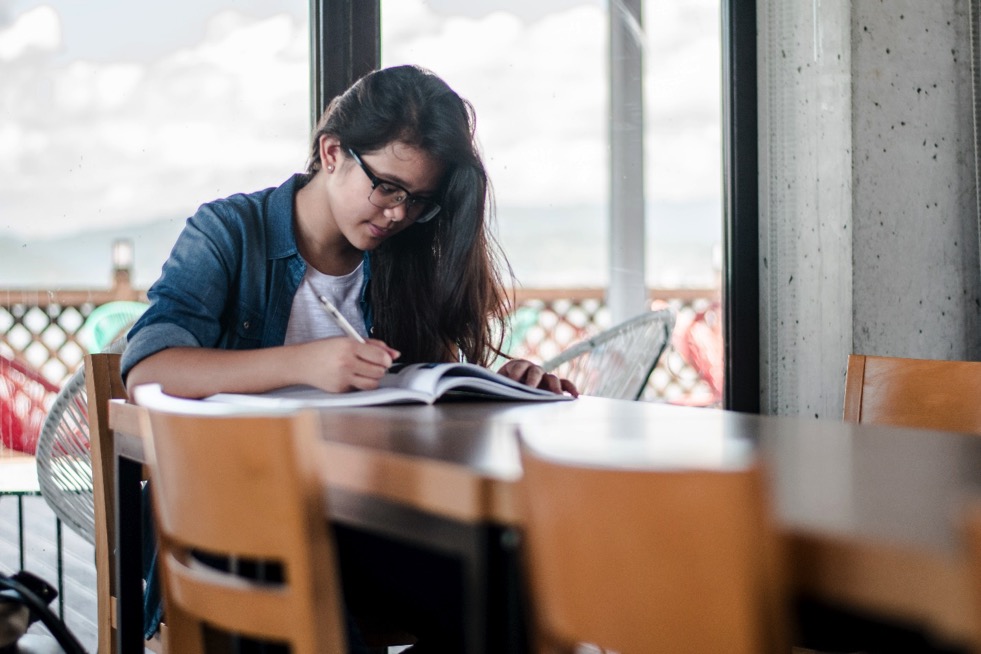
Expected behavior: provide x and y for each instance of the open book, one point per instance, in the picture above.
(423, 383)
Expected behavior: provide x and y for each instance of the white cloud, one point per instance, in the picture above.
(34, 31)
(537, 89)
(541, 95)
(88, 144)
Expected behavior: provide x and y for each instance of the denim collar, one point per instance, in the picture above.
(279, 227)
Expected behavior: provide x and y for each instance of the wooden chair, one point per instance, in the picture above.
(242, 488)
(922, 393)
(103, 383)
(641, 561)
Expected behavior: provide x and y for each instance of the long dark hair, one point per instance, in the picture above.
(436, 288)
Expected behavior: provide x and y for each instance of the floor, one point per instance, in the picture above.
(40, 557)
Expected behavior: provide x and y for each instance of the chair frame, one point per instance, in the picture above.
(667, 318)
(214, 479)
(104, 383)
(923, 393)
(700, 571)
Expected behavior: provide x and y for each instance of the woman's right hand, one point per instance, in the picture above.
(343, 364)
(333, 364)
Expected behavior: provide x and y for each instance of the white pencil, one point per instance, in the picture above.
(340, 319)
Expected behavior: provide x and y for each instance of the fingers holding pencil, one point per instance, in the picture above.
(341, 364)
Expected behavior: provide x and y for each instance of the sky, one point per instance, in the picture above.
(117, 112)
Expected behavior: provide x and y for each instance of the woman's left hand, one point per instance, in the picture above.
(533, 375)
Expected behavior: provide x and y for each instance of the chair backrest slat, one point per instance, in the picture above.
(243, 488)
(925, 393)
(650, 560)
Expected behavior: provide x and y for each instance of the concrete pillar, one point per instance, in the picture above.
(627, 293)
(869, 228)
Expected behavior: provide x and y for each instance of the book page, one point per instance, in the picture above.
(417, 383)
(437, 379)
(310, 397)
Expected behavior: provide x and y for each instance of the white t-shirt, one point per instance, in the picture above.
(309, 321)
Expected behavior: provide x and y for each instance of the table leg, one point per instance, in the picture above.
(129, 549)
(493, 591)
(470, 570)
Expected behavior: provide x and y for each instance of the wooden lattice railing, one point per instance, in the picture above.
(40, 327)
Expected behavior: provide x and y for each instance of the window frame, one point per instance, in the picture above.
(346, 44)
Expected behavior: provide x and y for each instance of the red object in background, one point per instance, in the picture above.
(699, 341)
(25, 397)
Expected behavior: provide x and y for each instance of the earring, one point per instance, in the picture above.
(330, 168)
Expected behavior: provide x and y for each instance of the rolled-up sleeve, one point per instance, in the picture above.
(189, 299)
(153, 339)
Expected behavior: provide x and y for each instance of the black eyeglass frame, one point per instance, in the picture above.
(408, 199)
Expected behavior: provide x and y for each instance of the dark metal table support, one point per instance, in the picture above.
(129, 566)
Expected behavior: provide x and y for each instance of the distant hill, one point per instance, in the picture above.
(84, 260)
(547, 246)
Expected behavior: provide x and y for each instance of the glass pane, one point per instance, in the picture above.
(683, 114)
(537, 81)
(118, 120)
(683, 127)
(537, 74)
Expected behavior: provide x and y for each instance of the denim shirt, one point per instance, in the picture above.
(230, 279)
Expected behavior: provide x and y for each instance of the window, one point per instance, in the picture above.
(119, 119)
(538, 76)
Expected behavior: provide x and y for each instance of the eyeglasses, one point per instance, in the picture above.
(388, 195)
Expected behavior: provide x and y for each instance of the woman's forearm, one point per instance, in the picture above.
(198, 372)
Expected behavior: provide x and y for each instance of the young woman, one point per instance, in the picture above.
(390, 223)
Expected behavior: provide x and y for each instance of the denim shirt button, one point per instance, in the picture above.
(246, 324)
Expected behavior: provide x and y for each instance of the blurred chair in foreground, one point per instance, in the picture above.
(243, 488)
(636, 561)
(972, 543)
(926, 393)
(617, 362)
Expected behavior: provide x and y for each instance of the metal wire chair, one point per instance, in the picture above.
(64, 461)
(64, 465)
(617, 362)
(25, 396)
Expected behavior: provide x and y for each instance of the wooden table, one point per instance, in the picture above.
(870, 514)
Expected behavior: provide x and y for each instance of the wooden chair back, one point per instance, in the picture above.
(243, 488)
(924, 393)
(103, 383)
(650, 560)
